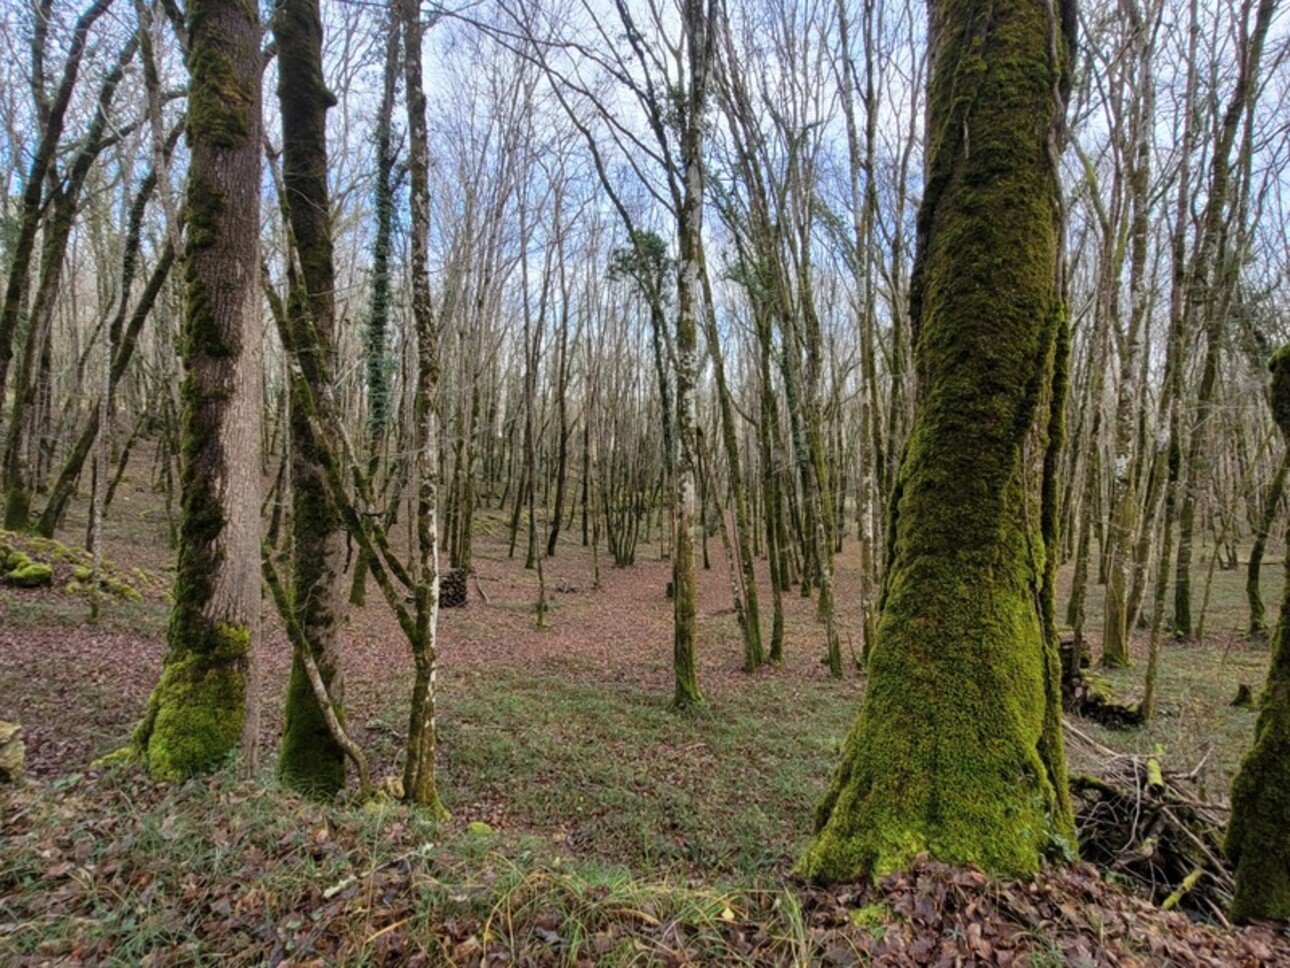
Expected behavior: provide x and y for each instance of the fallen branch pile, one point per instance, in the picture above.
(1151, 829)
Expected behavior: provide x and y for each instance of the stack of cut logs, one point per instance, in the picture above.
(452, 588)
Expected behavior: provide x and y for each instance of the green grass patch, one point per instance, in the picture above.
(611, 772)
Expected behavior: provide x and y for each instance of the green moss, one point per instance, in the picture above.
(309, 761)
(82, 573)
(954, 753)
(477, 828)
(33, 575)
(875, 916)
(221, 98)
(15, 560)
(121, 590)
(1256, 838)
(1257, 843)
(196, 711)
(122, 756)
(74, 587)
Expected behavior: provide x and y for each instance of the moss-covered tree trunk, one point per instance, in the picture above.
(310, 759)
(957, 748)
(1256, 837)
(1253, 590)
(197, 711)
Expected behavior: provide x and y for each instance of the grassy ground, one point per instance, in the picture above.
(591, 824)
(1196, 724)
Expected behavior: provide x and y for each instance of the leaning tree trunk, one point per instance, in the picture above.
(1256, 841)
(754, 652)
(310, 760)
(199, 708)
(957, 748)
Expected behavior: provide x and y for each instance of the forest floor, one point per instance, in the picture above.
(590, 825)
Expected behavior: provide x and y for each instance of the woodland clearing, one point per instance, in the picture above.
(590, 825)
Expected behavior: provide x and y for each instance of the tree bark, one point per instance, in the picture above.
(419, 783)
(310, 760)
(957, 749)
(205, 700)
(1256, 843)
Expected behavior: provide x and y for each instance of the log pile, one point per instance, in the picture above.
(452, 588)
(1151, 828)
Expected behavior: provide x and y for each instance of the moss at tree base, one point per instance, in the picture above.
(195, 713)
(310, 761)
(944, 759)
(1258, 840)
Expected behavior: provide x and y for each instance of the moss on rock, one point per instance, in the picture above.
(32, 575)
(122, 590)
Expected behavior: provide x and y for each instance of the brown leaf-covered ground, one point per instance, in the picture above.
(617, 831)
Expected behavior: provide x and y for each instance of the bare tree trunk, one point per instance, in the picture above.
(419, 770)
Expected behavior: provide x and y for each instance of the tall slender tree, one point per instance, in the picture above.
(199, 709)
(419, 783)
(310, 758)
